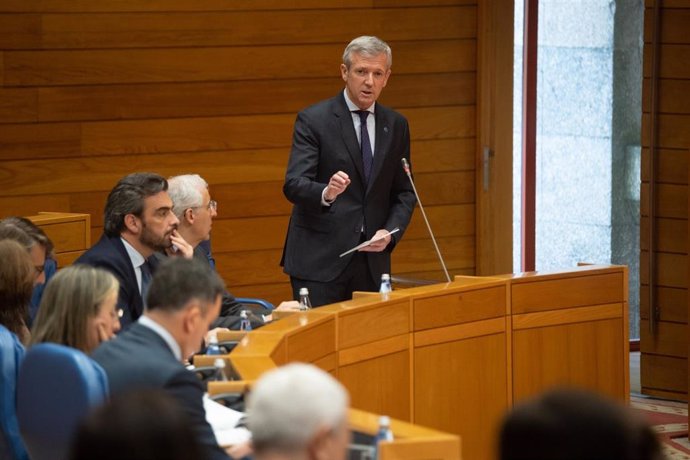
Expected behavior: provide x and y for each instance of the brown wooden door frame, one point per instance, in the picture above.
(494, 179)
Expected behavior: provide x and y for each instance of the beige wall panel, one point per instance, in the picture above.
(48, 68)
(478, 366)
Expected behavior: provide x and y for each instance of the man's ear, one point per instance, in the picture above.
(191, 316)
(189, 215)
(343, 71)
(133, 224)
(320, 446)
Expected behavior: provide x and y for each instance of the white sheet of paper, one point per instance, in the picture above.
(223, 421)
(368, 242)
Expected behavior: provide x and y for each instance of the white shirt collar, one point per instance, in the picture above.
(134, 255)
(351, 105)
(164, 334)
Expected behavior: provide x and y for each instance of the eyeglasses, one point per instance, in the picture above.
(211, 206)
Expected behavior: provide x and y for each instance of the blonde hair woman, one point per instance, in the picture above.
(78, 309)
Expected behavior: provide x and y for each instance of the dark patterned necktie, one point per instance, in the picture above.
(145, 279)
(365, 144)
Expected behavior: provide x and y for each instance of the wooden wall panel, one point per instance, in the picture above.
(664, 353)
(156, 65)
(199, 29)
(92, 91)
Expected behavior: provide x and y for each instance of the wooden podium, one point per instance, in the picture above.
(456, 356)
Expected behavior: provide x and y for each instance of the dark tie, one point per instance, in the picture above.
(145, 279)
(365, 144)
(211, 260)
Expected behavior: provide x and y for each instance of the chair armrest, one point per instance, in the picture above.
(253, 301)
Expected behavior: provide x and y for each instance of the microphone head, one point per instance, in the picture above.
(405, 165)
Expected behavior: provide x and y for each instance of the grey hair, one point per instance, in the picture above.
(368, 46)
(185, 192)
(290, 404)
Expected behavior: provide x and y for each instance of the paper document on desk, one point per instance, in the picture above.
(368, 242)
(223, 421)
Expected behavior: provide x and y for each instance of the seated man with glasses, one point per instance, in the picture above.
(195, 210)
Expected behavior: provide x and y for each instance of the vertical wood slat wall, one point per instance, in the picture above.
(664, 356)
(91, 91)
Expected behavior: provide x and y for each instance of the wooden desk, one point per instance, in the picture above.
(70, 234)
(455, 356)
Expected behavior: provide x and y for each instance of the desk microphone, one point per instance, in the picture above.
(406, 168)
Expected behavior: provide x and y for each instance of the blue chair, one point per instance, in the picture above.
(252, 301)
(56, 389)
(11, 355)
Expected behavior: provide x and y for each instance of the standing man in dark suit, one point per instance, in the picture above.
(138, 221)
(182, 301)
(346, 182)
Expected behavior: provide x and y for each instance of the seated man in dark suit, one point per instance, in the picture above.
(182, 301)
(138, 221)
(195, 210)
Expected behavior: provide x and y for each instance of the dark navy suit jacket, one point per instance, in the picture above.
(140, 359)
(110, 253)
(325, 142)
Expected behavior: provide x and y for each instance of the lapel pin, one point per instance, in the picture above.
(385, 129)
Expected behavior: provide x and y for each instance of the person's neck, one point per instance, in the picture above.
(141, 248)
(168, 322)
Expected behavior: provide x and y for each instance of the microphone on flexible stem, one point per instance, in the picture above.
(406, 168)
